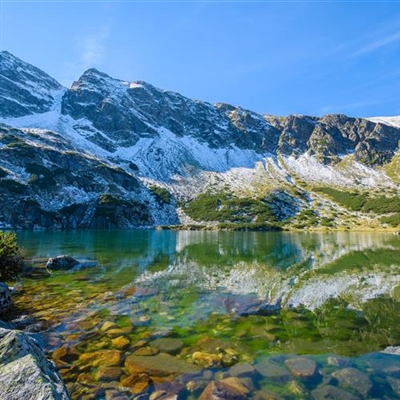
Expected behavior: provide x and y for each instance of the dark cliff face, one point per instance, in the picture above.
(44, 184)
(126, 112)
(24, 89)
(333, 136)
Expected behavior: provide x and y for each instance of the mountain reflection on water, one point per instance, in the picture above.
(260, 297)
(291, 269)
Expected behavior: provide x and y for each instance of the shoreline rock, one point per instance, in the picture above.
(25, 372)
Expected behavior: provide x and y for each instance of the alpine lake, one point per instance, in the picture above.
(263, 315)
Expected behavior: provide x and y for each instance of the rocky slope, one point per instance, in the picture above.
(109, 153)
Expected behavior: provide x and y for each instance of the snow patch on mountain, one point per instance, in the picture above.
(391, 121)
(307, 167)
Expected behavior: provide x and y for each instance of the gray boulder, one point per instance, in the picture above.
(62, 263)
(25, 372)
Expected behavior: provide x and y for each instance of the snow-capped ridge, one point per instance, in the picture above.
(391, 121)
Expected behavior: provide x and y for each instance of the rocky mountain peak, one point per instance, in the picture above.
(25, 89)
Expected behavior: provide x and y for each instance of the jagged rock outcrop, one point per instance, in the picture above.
(24, 370)
(25, 89)
(332, 136)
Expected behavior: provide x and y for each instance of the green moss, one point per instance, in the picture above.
(107, 198)
(162, 194)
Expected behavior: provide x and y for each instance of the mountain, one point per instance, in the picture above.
(108, 153)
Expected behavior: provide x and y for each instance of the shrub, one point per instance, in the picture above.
(393, 220)
(350, 200)
(225, 208)
(357, 201)
(11, 259)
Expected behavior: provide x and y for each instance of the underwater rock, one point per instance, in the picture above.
(196, 387)
(394, 384)
(5, 299)
(120, 342)
(273, 372)
(108, 325)
(302, 367)
(355, 379)
(298, 390)
(341, 362)
(242, 370)
(240, 385)
(108, 374)
(167, 345)
(159, 365)
(331, 392)
(221, 391)
(66, 353)
(228, 357)
(105, 358)
(62, 262)
(206, 360)
(146, 351)
(24, 370)
(170, 389)
(115, 332)
(137, 383)
(163, 395)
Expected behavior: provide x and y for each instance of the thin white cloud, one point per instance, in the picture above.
(91, 50)
(377, 44)
(92, 47)
(375, 38)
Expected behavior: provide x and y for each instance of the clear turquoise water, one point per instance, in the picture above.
(320, 294)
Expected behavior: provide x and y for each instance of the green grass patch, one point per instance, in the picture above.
(226, 208)
(162, 194)
(392, 220)
(359, 201)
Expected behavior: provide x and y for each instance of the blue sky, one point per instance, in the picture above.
(275, 57)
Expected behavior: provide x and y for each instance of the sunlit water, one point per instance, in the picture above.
(219, 299)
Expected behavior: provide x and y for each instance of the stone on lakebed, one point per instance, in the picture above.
(159, 365)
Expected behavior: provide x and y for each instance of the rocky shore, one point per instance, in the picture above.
(25, 371)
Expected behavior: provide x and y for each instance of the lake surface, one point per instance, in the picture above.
(287, 315)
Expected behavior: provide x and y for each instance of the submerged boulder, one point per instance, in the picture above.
(24, 370)
(62, 263)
